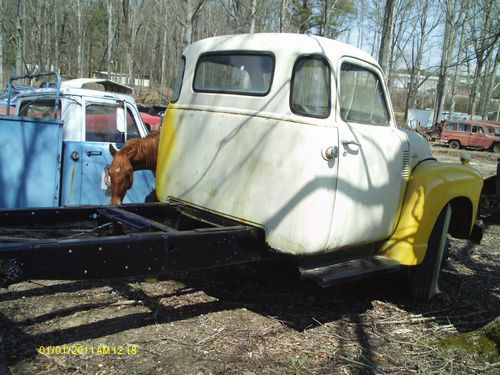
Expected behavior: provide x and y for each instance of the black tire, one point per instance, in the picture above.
(496, 148)
(424, 277)
(455, 145)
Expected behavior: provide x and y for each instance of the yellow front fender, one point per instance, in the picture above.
(432, 185)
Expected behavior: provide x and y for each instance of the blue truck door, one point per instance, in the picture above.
(30, 162)
(84, 179)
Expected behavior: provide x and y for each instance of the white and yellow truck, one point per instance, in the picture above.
(278, 145)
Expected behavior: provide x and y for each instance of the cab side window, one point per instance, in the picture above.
(100, 123)
(477, 129)
(310, 91)
(132, 129)
(464, 128)
(361, 96)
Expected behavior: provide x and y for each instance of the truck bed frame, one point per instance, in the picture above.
(138, 239)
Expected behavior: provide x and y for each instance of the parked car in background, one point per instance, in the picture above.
(152, 115)
(475, 134)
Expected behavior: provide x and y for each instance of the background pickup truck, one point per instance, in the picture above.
(54, 150)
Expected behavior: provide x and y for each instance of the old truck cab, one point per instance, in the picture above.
(296, 134)
(55, 148)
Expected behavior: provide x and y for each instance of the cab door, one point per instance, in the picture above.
(478, 138)
(373, 158)
(105, 122)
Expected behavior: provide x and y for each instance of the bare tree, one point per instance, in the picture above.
(192, 9)
(484, 26)
(78, 10)
(446, 53)
(132, 24)
(420, 34)
(254, 11)
(2, 32)
(384, 56)
(109, 9)
(20, 16)
(460, 48)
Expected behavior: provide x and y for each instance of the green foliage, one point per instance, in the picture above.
(484, 341)
(298, 365)
(151, 280)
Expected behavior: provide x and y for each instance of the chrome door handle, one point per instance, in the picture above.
(94, 153)
(347, 143)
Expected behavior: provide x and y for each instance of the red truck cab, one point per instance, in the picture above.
(475, 134)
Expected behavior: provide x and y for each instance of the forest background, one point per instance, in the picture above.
(453, 43)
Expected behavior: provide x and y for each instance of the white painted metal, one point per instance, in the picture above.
(252, 158)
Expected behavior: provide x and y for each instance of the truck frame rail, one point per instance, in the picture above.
(103, 242)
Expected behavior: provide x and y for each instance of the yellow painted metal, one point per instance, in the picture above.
(432, 185)
(165, 152)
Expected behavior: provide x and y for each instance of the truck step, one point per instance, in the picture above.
(350, 270)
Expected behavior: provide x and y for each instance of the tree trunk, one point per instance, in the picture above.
(19, 37)
(459, 58)
(482, 53)
(384, 56)
(55, 56)
(489, 83)
(131, 12)
(81, 37)
(109, 8)
(448, 47)
(1, 47)
(254, 10)
(411, 100)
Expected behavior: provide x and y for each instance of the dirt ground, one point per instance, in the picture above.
(259, 319)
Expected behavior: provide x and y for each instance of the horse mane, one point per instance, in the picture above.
(143, 149)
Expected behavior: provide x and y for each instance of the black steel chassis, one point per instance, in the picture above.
(104, 242)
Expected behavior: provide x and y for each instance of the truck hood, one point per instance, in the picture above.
(419, 148)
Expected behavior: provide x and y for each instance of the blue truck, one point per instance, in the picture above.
(54, 148)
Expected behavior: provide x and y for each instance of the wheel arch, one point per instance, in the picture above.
(461, 217)
(432, 186)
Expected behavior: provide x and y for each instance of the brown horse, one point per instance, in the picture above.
(137, 154)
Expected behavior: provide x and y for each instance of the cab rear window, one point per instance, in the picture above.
(234, 73)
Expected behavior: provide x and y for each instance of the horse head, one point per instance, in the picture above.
(137, 154)
(121, 173)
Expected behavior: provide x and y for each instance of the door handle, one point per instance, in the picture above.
(94, 153)
(347, 143)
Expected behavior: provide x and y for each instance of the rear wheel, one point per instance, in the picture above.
(496, 147)
(424, 277)
(454, 145)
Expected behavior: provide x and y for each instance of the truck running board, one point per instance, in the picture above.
(349, 270)
(102, 242)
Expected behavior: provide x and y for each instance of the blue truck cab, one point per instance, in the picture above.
(54, 150)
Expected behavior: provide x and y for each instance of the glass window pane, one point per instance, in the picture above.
(361, 96)
(39, 108)
(178, 80)
(100, 123)
(132, 129)
(310, 94)
(238, 73)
